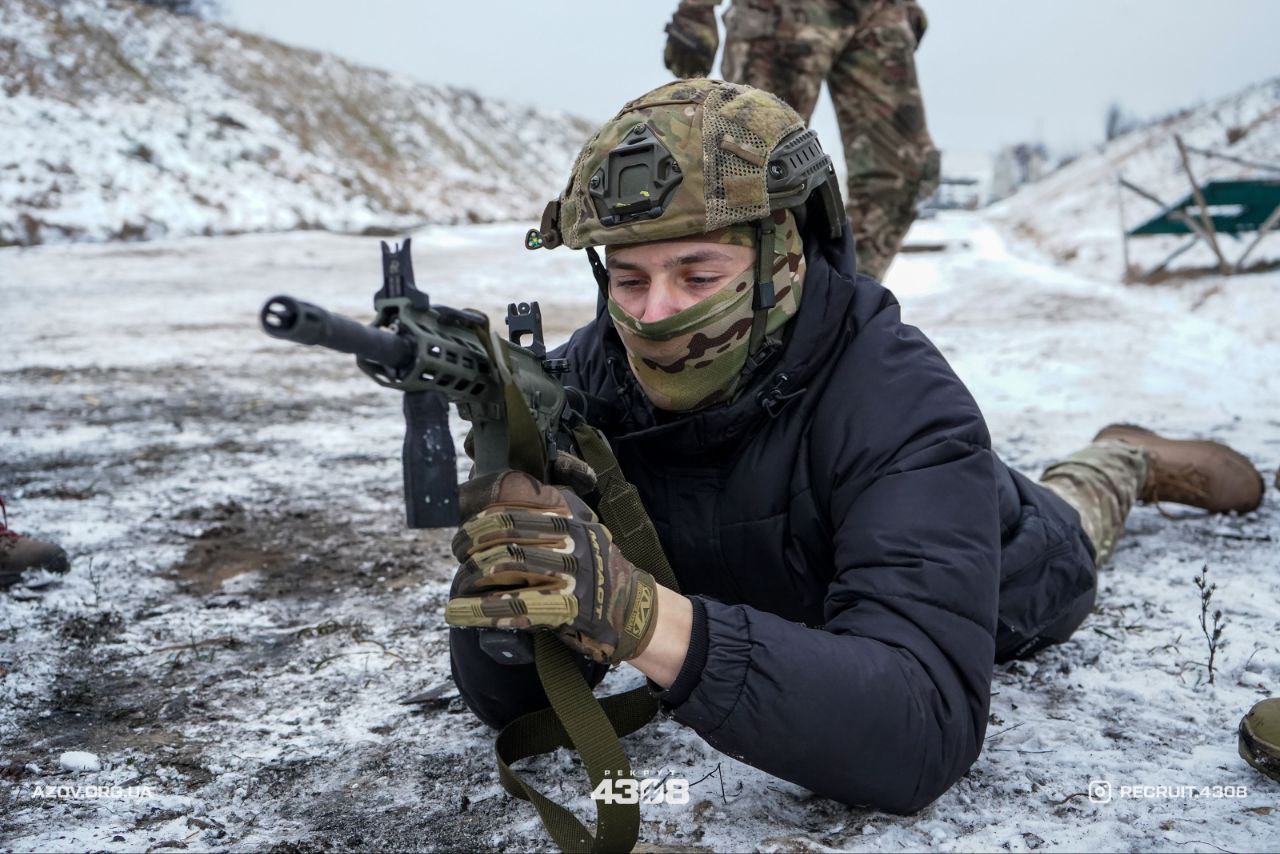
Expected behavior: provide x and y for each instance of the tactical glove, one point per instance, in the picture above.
(536, 556)
(692, 40)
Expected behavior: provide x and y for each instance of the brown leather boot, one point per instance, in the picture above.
(1191, 471)
(19, 553)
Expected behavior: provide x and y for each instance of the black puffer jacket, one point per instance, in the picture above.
(856, 553)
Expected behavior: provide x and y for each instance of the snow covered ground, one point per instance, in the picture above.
(244, 608)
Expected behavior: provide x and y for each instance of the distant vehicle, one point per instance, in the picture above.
(952, 194)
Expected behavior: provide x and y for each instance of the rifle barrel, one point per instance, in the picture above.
(304, 323)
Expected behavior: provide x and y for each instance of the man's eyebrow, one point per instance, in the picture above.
(699, 256)
(622, 265)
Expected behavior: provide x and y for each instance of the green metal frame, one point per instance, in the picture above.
(1257, 200)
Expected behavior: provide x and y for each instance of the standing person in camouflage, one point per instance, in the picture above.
(865, 52)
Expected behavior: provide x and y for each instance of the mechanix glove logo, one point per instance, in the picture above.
(641, 613)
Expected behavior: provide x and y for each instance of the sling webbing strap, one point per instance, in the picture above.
(621, 508)
(577, 718)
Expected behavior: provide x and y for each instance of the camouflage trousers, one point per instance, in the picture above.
(1101, 482)
(865, 52)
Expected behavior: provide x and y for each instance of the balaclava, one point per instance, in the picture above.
(695, 358)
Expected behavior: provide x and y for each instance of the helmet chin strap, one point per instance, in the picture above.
(599, 270)
(763, 297)
(601, 274)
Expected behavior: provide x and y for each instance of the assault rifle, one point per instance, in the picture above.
(521, 415)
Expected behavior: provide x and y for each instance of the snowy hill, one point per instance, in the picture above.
(1074, 214)
(124, 122)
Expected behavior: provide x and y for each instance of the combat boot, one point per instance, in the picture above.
(19, 553)
(1260, 737)
(1199, 473)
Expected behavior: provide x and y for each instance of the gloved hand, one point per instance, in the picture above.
(536, 556)
(692, 40)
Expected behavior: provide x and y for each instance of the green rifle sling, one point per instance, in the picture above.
(621, 509)
(577, 719)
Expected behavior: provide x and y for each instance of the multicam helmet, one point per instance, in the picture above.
(690, 157)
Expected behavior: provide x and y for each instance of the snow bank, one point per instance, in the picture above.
(1074, 215)
(125, 122)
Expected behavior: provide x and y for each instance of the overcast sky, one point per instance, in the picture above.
(992, 71)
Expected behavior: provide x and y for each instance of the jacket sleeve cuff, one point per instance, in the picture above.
(695, 661)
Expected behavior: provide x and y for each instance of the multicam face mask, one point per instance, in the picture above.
(694, 358)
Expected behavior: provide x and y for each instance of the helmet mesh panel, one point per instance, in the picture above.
(720, 164)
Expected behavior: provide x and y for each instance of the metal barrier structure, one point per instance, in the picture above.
(1232, 207)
